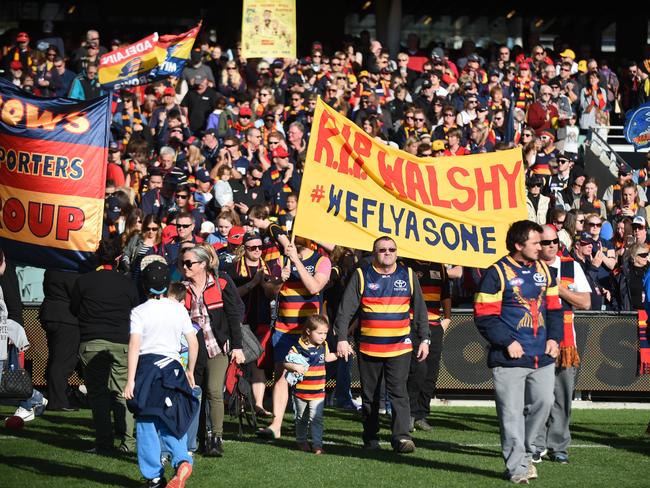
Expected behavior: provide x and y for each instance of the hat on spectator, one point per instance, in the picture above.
(568, 53)
(564, 155)
(113, 147)
(245, 112)
(523, 66)
(304, 61)
(363, 74)
(638, 220)
(278, 63)
(494, 72)
(195, 56)
(548, 132)
(624, 169)
(22, 37)
(280, 152)
(211, 131)
(582, 66)
(16, 65)
(481, 107)
(437, 53)
(374, 70)
(386, 71)
(198, 79)
(474, 58)
(113, 208)
(169, 91)
(426, 84)
(115, 42)
(251, 236)
(438, 145)
(586, 238)
(202, 175)
(155, 278)
(236, 235)
(207, 227)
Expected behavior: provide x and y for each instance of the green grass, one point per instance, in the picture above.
(463, 450)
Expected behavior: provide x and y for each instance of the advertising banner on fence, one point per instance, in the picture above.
(147, 60)
(53, 154)
(269, 29)
(453, 210)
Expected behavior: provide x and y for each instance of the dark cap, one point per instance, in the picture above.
(278, 63)
(586, 238)
(113, 208)
(155, 278)
(113, 147)
(252, 236)
(195, 57)
(202, 175)
(426, 84)
(473, 57)
(212, 132)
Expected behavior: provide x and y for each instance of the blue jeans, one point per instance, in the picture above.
(151, 434)
(309, 416)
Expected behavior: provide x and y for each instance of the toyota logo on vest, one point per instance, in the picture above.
(400, 284)
(539, 279)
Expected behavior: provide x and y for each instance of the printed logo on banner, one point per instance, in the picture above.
(131, 68)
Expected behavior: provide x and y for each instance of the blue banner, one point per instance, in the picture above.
(637, 126)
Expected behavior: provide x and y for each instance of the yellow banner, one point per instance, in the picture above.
(453, 210)
(269, 29)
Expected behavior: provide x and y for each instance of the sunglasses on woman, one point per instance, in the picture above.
(188, 264)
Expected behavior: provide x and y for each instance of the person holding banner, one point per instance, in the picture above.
(384, 291)
(304, 276)
(518, 310)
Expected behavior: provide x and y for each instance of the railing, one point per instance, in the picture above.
(607, 342)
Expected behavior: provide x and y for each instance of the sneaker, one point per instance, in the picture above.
(538, 455)
(519, 479)
(155, 483)
(411, 424)
(25, 414)
(405, 446)
(372, 445)
(560, 458)
(422, 424)
(531, 474)
(183, 472)
(40, 408)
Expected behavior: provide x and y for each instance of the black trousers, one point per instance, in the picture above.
(395, 371)
(63, 355)
(424, 375)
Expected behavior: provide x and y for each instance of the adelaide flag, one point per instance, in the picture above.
(150, 59)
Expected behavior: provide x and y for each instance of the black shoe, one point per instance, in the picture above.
(422, 424)
(160, 483)
(404, 446)
(215, 448)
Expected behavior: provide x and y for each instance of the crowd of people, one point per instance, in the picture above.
(203, 181)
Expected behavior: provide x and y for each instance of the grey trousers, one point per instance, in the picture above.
(555, 434)
(524, 397)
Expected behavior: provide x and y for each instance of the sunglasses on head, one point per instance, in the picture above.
(548, 242)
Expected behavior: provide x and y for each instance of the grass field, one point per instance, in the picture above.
(463, 450)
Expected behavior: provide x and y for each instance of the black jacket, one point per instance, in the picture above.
(57, 287)
(102, 301)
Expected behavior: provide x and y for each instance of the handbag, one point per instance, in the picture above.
(250, 345)
(16, 382)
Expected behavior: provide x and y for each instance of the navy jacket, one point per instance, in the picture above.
(162, 391)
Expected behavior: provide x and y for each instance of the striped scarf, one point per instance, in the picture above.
(569, 356)
(525, 92)
(127, 124)
(602, 102)
(241, 268)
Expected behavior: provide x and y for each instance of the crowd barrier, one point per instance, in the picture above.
(607, 342)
